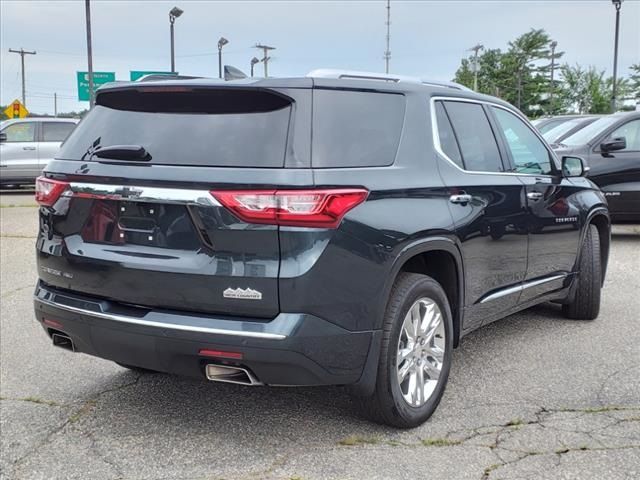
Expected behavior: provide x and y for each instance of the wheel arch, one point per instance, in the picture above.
(600, 219)
(440, 259)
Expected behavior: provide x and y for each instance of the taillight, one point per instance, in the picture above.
(48, 191)
(301, 208)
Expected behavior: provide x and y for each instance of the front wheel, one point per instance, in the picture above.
(416, 353)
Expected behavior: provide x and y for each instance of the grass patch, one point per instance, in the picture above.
(40, 401)
(77, 415)
(489, 469)
(515, 422)
(354, 440)
(439, 442)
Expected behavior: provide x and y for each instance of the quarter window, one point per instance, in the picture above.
(528, 152)
(21, 132)
(477, 143)
(631, 133)
(56, 131)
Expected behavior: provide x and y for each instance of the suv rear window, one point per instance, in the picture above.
(215, 127)
(356, 129)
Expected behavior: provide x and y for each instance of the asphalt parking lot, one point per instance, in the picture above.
(531, 396)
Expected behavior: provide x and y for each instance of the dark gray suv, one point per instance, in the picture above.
(341, 228)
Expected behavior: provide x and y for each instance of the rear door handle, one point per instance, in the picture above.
(28, 148)
(535, 196)
(462, 198)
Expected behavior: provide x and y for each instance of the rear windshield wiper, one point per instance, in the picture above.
(123, 152)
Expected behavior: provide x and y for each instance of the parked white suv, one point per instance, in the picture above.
(27, 144)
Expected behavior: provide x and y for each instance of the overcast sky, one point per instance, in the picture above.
(428, 38)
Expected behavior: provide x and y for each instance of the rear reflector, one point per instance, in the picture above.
(220, 354)
(300, 208)
(52, 323)
(48, 191)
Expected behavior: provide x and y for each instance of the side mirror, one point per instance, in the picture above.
(3, 137)
(613, 144)
(574, 167)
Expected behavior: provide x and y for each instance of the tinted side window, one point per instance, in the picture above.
(631, 132)
(356, 129)
(21, 132)
(448, 141)
(476, 140)
(527, 150)
(56, 131)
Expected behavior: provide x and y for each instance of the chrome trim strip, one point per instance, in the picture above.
(142, 194)
(151, 323)
(438, 147)
(521, 287)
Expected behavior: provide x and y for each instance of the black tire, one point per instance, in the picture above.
(586, 300)
(387, 405)
(136, 369)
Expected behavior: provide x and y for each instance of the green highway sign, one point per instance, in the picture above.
(136, 74)
(99, 78)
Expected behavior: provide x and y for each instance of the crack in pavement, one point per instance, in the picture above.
(74, 417)
(499, 434)
(15, 290)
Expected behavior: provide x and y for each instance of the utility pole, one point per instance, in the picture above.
(475, 51)
(55, 104)
(89, 51)
(265, 59)
(22, 53)
(387, 52)
(617, 4)
(554, 44)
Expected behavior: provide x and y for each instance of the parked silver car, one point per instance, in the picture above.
(27, 144)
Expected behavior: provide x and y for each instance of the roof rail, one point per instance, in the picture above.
(385, 77)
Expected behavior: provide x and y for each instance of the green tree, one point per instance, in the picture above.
(587, 90)
(634, 80)
(521, 75)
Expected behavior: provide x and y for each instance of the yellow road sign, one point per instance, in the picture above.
(16, 110)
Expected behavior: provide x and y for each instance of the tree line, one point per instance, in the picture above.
(521, 75)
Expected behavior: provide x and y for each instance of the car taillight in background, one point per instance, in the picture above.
(48, 191)
(322, 208)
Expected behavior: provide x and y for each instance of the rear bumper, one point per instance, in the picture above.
(291, 349)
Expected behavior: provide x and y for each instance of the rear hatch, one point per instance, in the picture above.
(128, 211)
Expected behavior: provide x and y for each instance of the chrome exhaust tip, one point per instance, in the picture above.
(63, 341)
(229, 374)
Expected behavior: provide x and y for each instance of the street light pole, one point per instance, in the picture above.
(254, 60)
(617, 4)
(221, 43)
(87, 9)
(174, 13)
(554, 44)
(22, 52)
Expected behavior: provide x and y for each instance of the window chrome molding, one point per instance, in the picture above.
(440, 151)
(520, 288)
(132, 193)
